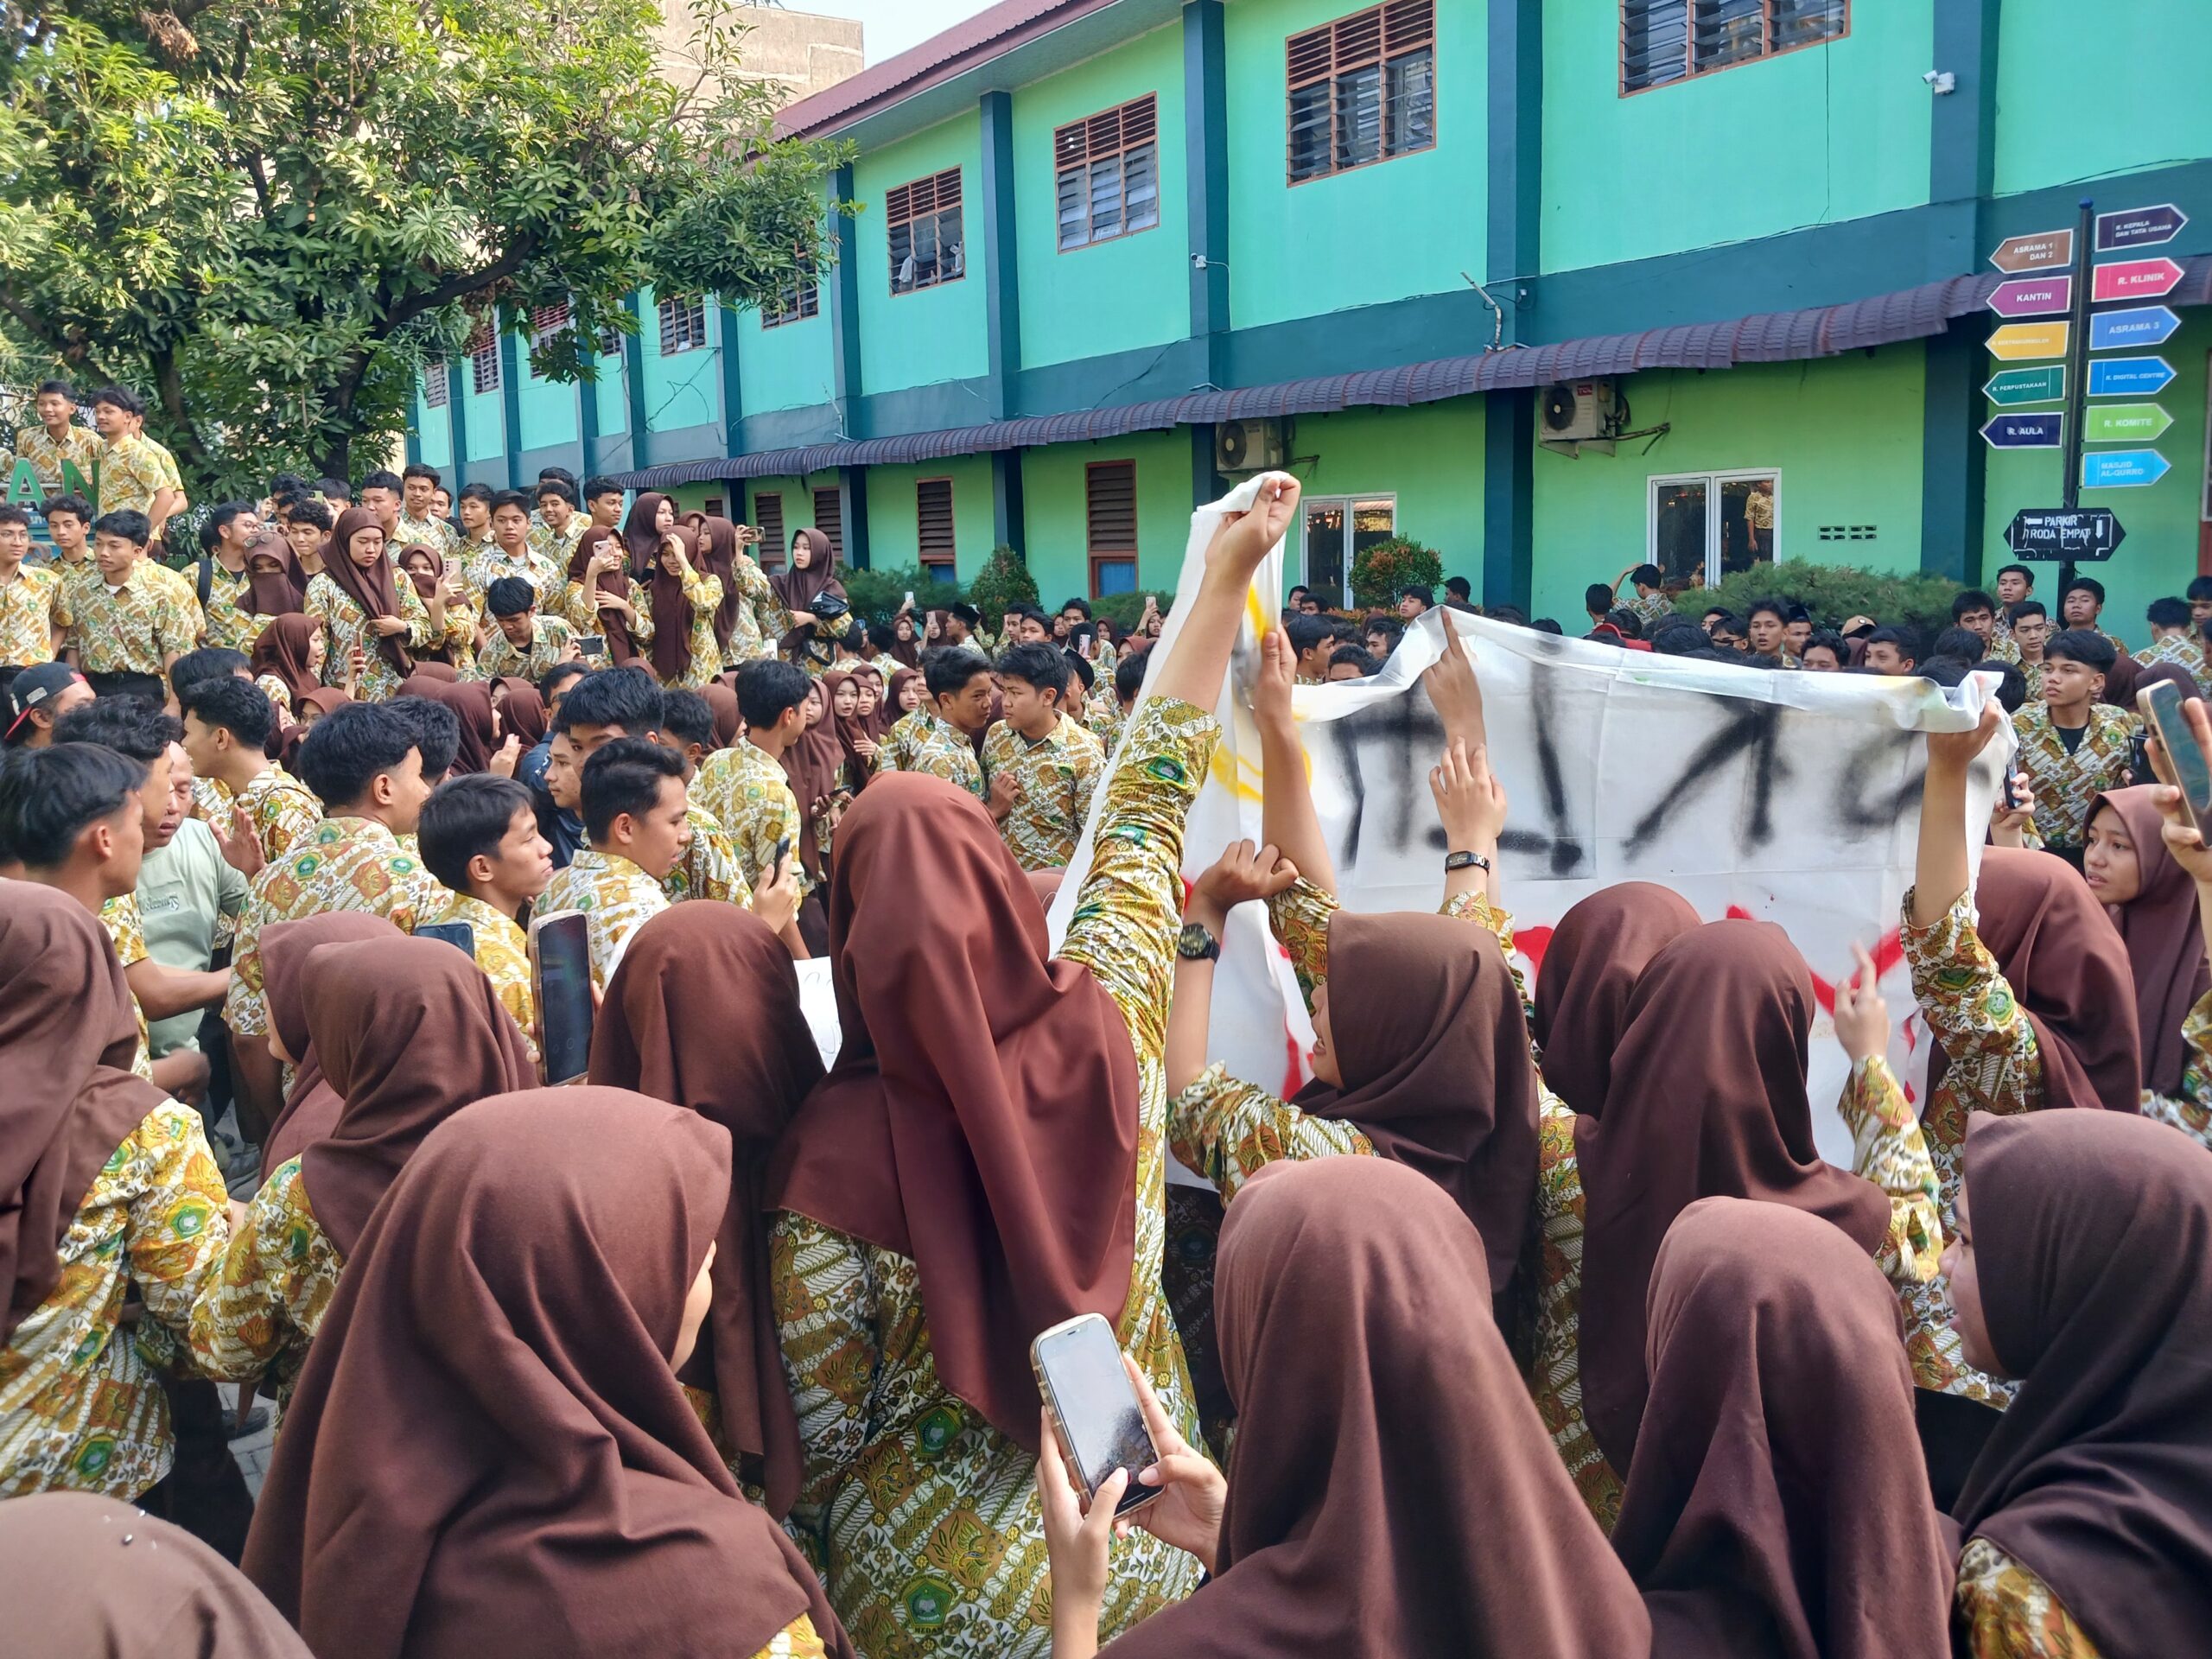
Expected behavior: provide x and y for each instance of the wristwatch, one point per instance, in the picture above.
(1466, 861)
(1194, 943)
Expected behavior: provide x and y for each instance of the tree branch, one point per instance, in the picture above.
(54, 339)
(461, 284)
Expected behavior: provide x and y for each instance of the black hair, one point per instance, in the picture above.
(1390, 627)
(382, 479)
(2083, 646)
(1421, 591)
(767, 688)
(1045, 667)
(318, 513)
(1729, 621)
(75, 506)
(514, 498)
(49, 796)
(421, 469)
(1779, 608)
(467, 815)
(240, 706)
(1833, 641)
(344, 750)
(1355, 657)
(2200, 588)
(562, 474)
(2022, 608)
(1896, 633)
(1945, 671)
(1541, 624)
(1129, 676)
(1797, 613)
(1079, 668)
(1029, 613)
(510, 596)
(1678, 637)
(615, 697)
(1626, 623)
(2090, 585)
(48, 388)
(1960, 645)
(128, 402)
(207, 662)
(2011, 684)
(1307, 631)
(2168, 613)
(946, 673)
(1077, 604)
(1597, 599)
(554, 487)
(625, 776)
(287, 484)
(333, 489)
(1514, 614)
(555, 677)
(476, 492)
(437, 731)
(1646, 576)
(14, 515)
(129, 522)
(133, 727)
(2004, 570)
(218, 520)
(595, 487)
(882, 636)
(1459, 588)
(687, 716)
(1972, 599)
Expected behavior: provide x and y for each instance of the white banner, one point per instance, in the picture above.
(1789, 797)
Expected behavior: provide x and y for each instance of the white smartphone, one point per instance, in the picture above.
(1094, 1407)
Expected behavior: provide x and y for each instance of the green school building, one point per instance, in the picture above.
(1553, 286)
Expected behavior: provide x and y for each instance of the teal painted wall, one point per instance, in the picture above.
(546, 408)
(1404, 226)
(892, 538)
(486, 414)
(2144, 65)
(1119, 294)
(934, 334)
(685, 389)
(1430, 458)
(1056, 514)
(787, 366)
(1844, 432)
(614, 395)
(433, 429)
(2163, 522)
(1821, 134)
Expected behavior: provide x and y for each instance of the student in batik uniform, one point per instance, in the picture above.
(2081, 605)
(601, 600)
(34, 613)
(1041, 768)
(910, 720)
(751, 620)
(126, 625)
(112, 1189)
(406, 1032)
(960, 689)
(2081, 1268)
(135, 474)
(745, 786)
(917, 1408)
(556, 525)
(520, 643)
(418, 524)
(509, 553)
(2072, 746)
(227, 537)
(431, 576)
(363, 608)
(479, 838)
(634, 803)
(59, 438)
(685, 651)
(2173, 639)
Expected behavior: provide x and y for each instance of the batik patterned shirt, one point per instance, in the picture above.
(503, 952)
(487, 567)
(230, 623)
(32, 607)
(704, 594)
(130, 629)
(267, 1301)
(616, 896)
(1649, 609)
(1057, 776)
(762, 622)
(346, 625)
(747, 793)
(2001, 1610)
(945, 752)
(2181, 650)
(434, 533)
(81, 1409)
(557, 547)
(580, 611)
(346, 864)
(284, 810)
(710, 867)
(2066, 783)
(81, 447)
(922, 1516)
(126, 931)
(133, 471)
(550, 642)
(904, 741)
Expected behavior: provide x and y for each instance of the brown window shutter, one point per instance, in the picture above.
(829, 518)
(933, 520)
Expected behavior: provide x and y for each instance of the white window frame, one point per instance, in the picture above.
(1712, 482)
(1349, 504)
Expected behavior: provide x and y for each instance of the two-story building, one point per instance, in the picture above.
(1553, 286)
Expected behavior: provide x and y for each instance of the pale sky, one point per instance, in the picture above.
(892, 26)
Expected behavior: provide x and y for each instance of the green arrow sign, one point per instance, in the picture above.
(2026, 386)
(2124, 423)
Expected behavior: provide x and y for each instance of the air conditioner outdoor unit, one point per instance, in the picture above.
(1571, 412)
(1248, 446)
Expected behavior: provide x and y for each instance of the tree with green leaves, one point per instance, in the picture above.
(269, 215)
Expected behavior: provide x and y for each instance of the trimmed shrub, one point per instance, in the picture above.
(876, 594)
(1832, 592)
(1385, 570)
(1003, 583)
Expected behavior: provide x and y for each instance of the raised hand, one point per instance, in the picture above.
(502, 763)
(1452, 688)
(1862, 1018)
(775, 901)
(1468, 799)
(1244, 538)
(1278, 674)
(1242, 874)
(1192, 1492)
(241, 848)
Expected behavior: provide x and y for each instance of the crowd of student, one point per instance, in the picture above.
(1534, 1323)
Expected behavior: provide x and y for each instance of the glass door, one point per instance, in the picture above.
(1708, 525)
(1338, 528)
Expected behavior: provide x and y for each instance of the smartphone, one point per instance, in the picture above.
(591, 645)
(2161, 708)
(560, 975)
(910, 599)
(776, 860)
(1094, 1407)
(460, 935)
(2012, 793)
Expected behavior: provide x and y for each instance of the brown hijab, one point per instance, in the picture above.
(1374, 1399)
(371, 589)
(982, 1119)
(641, 537)
(67, 1037)
(2150, 674)
(409, 1032)
(1435, 1053)
(311, 1106)
(1590, 967)
(115, 1583)
(812, 765)
(277, 591)
(799, 588)
(425, 581)
(2165, 945)
(471, 702)
(282, 649)
(620, 647)
(328, 699)
(522, 711)
(723, 702)
(2122, 680)
(2067, 964)
(1778, 1504)
(718, 556)
(1707, 1100)
(874, 722)
(2093, 1248)
(907, 653)
(671, 651)
(704, 1012)
(850, 730)
(897, 689)
(487, 1452)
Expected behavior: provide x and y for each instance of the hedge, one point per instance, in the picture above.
(1833, 593)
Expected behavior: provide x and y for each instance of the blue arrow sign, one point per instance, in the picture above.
(2120, 469)
(2143, 325)
(2129, 377)
(2042, 428)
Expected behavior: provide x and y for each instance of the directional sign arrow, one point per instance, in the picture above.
(2016, 341)
(2127, 377)
(2136, 279)
(2146, 325)
(2038, 251)
(2122, 469)
(2010, 387)
(2082, 533)
(2042, 428)
(2124, 423)
(2034, 297)
(2139, 227)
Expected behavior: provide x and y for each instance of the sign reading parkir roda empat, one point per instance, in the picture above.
(2081, 535)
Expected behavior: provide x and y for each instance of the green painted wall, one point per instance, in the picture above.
(787, 366)
(2163, 521)
(892, 538)
(1821, 134)
(1118, 294)
(1844, 432)
(2143, 65)
(1055, 510)
(685, 389)
(613, 392)
(934, 334)
(433, 430)
(1404, 226)
(1431, 458)
(546, 408)
(486, 414)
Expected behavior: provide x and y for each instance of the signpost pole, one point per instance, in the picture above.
(2077, 370)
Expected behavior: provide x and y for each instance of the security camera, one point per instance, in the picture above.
(1941, 81)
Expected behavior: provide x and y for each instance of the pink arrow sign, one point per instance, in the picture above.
(2032, 297)
(2137, 279)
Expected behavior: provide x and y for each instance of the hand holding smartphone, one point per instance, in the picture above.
(1093, 1406)
(2162, 711)
(560, 973)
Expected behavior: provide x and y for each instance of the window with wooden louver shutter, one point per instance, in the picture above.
(768, 516)
(1110, 511)
(1362, 89)
(830, 518)
(484, 357)
(1107, 174)
(1665, 40)
(927, 244)
(933, 527)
